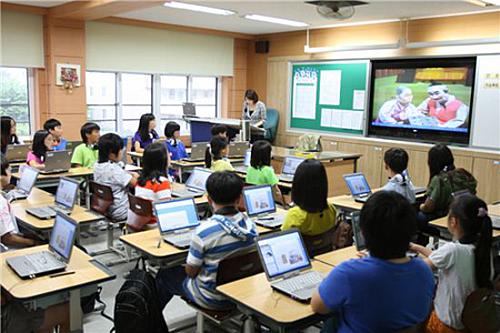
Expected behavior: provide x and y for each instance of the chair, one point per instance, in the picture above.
(140, 212)
(319, 244)
(100, 200)
(237, 266)
(271, 124)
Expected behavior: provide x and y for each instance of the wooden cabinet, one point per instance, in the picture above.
(417, 167)
(487, 173)
(329, 145)
(370, 163)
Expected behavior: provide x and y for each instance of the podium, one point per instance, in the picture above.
(201, 128)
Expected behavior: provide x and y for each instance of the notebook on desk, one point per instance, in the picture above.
(177, 220)
(57, 161)
(62, 239)
(287, 264)
(290, 164)
(25, 183)
(260, 206)
(65, 199)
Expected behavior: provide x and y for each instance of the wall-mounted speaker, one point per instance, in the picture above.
(262, 46)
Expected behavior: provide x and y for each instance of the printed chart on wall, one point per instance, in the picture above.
(329, 96)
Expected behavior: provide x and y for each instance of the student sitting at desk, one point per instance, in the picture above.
(8, 133)
(54, 127)
(216, 155)
(312, 214)
(396, 163)
(463, 265)
(42, 143)
(219, 130)
(85, 154)
(385, 291)
(175, 145)
(225, 233)
(260, 171)
(145, 134)
(109, 172)
(5, 175)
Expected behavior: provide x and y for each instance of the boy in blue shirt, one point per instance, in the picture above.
(385, 291)
(227, 232)
(54, 127)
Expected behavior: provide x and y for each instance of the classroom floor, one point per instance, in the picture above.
(177, 313)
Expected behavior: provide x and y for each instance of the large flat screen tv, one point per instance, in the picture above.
(426, 100)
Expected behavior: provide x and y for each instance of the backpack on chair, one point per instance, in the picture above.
(137, 307)
(479, 313)
(342, 234)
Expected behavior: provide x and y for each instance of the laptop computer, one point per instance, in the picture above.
(287, 265)
(198, 151)
(64, 202)
(195, 184)
(71, 145)
(246, 163)
(177, 220)
(237, 149)
(17, 153)
(25, 183)
(260, 206)
(62, 239)
(358, 185)
(288, 168)
(495, 221)
(57, 161)
(189, 110)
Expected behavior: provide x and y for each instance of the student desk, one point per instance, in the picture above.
(255, 298)
(146, 242)
(347, 203)
(44, 227)
(138, 156)
(336, 164)
(183, 165)
(335, 258)
(37, 196)
(442, 223)
(45, 291)
(199, 201)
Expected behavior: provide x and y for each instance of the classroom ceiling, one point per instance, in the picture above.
(297, 10)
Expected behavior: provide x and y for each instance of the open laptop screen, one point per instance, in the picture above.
(198, 178)
(248, 157)
(358, 235)
(357, 184)
(290, 164)
(283, 253)
(259, 200)
(28, 179)
(63, 235)
(176, 214)
(66, 192)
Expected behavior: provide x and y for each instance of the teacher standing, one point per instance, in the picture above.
(255, 111)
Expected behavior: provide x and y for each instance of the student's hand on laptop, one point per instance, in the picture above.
(362, 254)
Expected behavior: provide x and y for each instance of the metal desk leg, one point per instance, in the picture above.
(75, 312)
(87, 192)
(249, 325)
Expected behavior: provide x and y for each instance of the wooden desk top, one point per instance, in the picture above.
(74, 172)
(85, 273)
(198, 201)
(191, 164)
(139, 155)
(80, 214)
(255, 292)
(442, 222)
(281, 153)
(346, 201)
(37, 196)
(335, 258)
(147, 242)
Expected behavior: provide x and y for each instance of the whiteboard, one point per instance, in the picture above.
(486, 122)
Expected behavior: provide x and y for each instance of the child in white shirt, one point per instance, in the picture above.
(396, 163)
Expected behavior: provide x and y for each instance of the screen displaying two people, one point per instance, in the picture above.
(283, 253)
(426, 98)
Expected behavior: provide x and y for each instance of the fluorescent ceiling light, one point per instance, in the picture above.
(275, 20)
(484, 3)
(198, 8)
(457, 42)
(326, 49)
(493, 2)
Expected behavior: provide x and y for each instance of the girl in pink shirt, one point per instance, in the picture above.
(42, 142)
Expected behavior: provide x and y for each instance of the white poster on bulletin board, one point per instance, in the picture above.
(305, 88)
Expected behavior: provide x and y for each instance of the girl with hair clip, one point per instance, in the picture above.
(463, 265)
(215, 155)
(43, 141)
(145, 134)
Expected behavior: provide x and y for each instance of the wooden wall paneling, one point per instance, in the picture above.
(277, 97)
(487, 173)
(463, 161)
(417, 167)
(370, 163)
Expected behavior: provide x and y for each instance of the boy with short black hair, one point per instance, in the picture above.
(85, 154)
(109, 172)
(396, 164)
(397, 289)
(54, 127)
(225, 233)
(219, 130)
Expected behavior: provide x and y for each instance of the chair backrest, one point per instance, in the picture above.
(419, 328)
(101, 198)
(271, 125)
(140, 212)
(319, 244)
(238, 266)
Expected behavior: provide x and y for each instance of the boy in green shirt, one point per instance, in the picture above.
(85, 154)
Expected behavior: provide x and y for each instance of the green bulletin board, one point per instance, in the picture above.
(329, 96)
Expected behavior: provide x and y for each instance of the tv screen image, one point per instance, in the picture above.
(429, 100)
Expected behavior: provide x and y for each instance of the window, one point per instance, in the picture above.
(136, 100)
(101, 100)
(203, 92)
(14, 100)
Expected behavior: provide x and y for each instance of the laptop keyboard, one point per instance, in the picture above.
(182, 238)
(41, 261)
(43, 211)
(277, 220)
(286, 178)
(303, 281)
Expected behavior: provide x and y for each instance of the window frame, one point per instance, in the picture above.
(115, 105)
